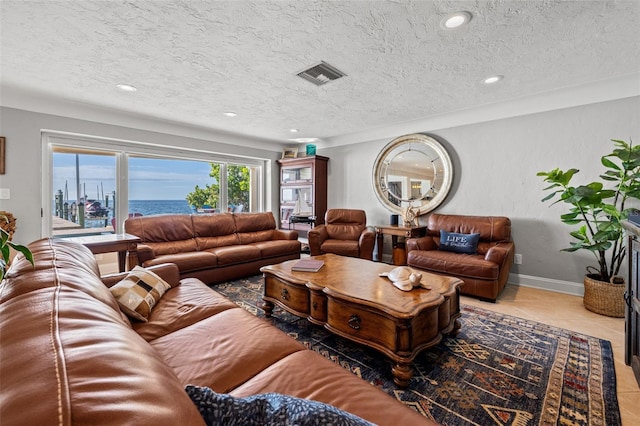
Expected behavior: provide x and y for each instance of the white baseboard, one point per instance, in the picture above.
(549, 284)
(559, 286)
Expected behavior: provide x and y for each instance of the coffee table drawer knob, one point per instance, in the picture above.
(354, 322)
(285, 294)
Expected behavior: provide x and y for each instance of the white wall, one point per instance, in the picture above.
(495, 166)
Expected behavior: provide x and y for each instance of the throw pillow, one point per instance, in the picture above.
(267, 409)
(139, 292)
(459, 243)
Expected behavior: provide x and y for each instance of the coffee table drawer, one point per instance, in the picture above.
(361, 323)
(292, 297)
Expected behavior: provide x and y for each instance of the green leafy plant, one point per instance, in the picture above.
(238, 184)
(599, 210)
(6, 245)
(201, 197)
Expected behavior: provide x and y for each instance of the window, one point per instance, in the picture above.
(93, 184)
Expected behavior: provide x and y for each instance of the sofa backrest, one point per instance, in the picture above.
(214, 230)
(491, 228)
(165, 234)
(255, 227)
(345, 224)
(68, 356)
(176, 233)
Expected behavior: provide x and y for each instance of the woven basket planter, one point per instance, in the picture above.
(603, 297)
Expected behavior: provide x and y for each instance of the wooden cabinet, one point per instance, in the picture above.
(303, 180)
(632, 297)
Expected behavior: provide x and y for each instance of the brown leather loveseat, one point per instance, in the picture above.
(69, 355)
(213, 247)
(345, 233)
(485, 271)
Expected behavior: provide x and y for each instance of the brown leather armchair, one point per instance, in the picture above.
(484, 272)
(344, 233)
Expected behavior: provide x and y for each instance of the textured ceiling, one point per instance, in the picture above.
(193, 60)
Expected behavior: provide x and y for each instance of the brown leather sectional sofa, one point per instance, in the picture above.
(484, 273)
(68, 355)
(213, 247)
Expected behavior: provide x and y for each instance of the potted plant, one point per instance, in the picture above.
(6, 245)
(598, 208)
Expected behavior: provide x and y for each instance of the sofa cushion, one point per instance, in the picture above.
(459, 243)
(255, 227)
(139, 292)
(448, 263)
(219, 342)
(186, 262)
(233, 255)
(349, 248)
(490, 228)
(171, 233)
(306, 374)
(252, 222)
(181, 307)
(214, 230)
(275, 248)
(267, 409)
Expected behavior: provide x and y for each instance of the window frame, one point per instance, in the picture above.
(123, 149)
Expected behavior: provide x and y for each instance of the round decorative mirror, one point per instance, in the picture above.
(412, 171)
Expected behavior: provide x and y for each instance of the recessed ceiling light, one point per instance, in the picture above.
(294, 130)
(126, 87)
(304, 140)
(493, 79)
(230, 114)
(455, 20)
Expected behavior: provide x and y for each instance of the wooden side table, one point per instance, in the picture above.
(397, 231)
(108, 243)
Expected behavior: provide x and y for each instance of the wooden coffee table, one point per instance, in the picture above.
(349, 299)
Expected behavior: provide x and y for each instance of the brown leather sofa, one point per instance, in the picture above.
(345, 233)
(213, 247)
(485, 273)
(70, 356)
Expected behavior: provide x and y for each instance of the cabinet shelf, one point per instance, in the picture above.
(303, 179)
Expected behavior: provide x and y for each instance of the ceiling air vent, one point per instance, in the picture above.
(321, 73)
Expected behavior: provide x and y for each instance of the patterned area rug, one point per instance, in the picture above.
(498, 370)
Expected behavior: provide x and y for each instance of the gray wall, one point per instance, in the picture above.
(495, 173)
(24, 158)
(495, 166)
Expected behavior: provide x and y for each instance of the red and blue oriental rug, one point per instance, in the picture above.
(498, 370)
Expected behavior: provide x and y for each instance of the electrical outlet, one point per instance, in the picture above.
(517, 259)
(5, 193)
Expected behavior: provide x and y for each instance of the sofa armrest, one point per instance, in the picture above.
(144, 253)
(167, 271)
(285, 234)
(500, 253)
(422, 243)
(366, 242)
(317, 236)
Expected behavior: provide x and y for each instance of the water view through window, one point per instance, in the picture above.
(85, 189)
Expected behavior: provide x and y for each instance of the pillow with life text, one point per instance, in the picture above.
(459, 243)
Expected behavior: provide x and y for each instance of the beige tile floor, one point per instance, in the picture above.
(560, 310)
(565, 311)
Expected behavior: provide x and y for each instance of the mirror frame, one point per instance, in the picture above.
(422, 143)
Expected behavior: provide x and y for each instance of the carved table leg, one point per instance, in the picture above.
(268, 308)
(402, 374)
